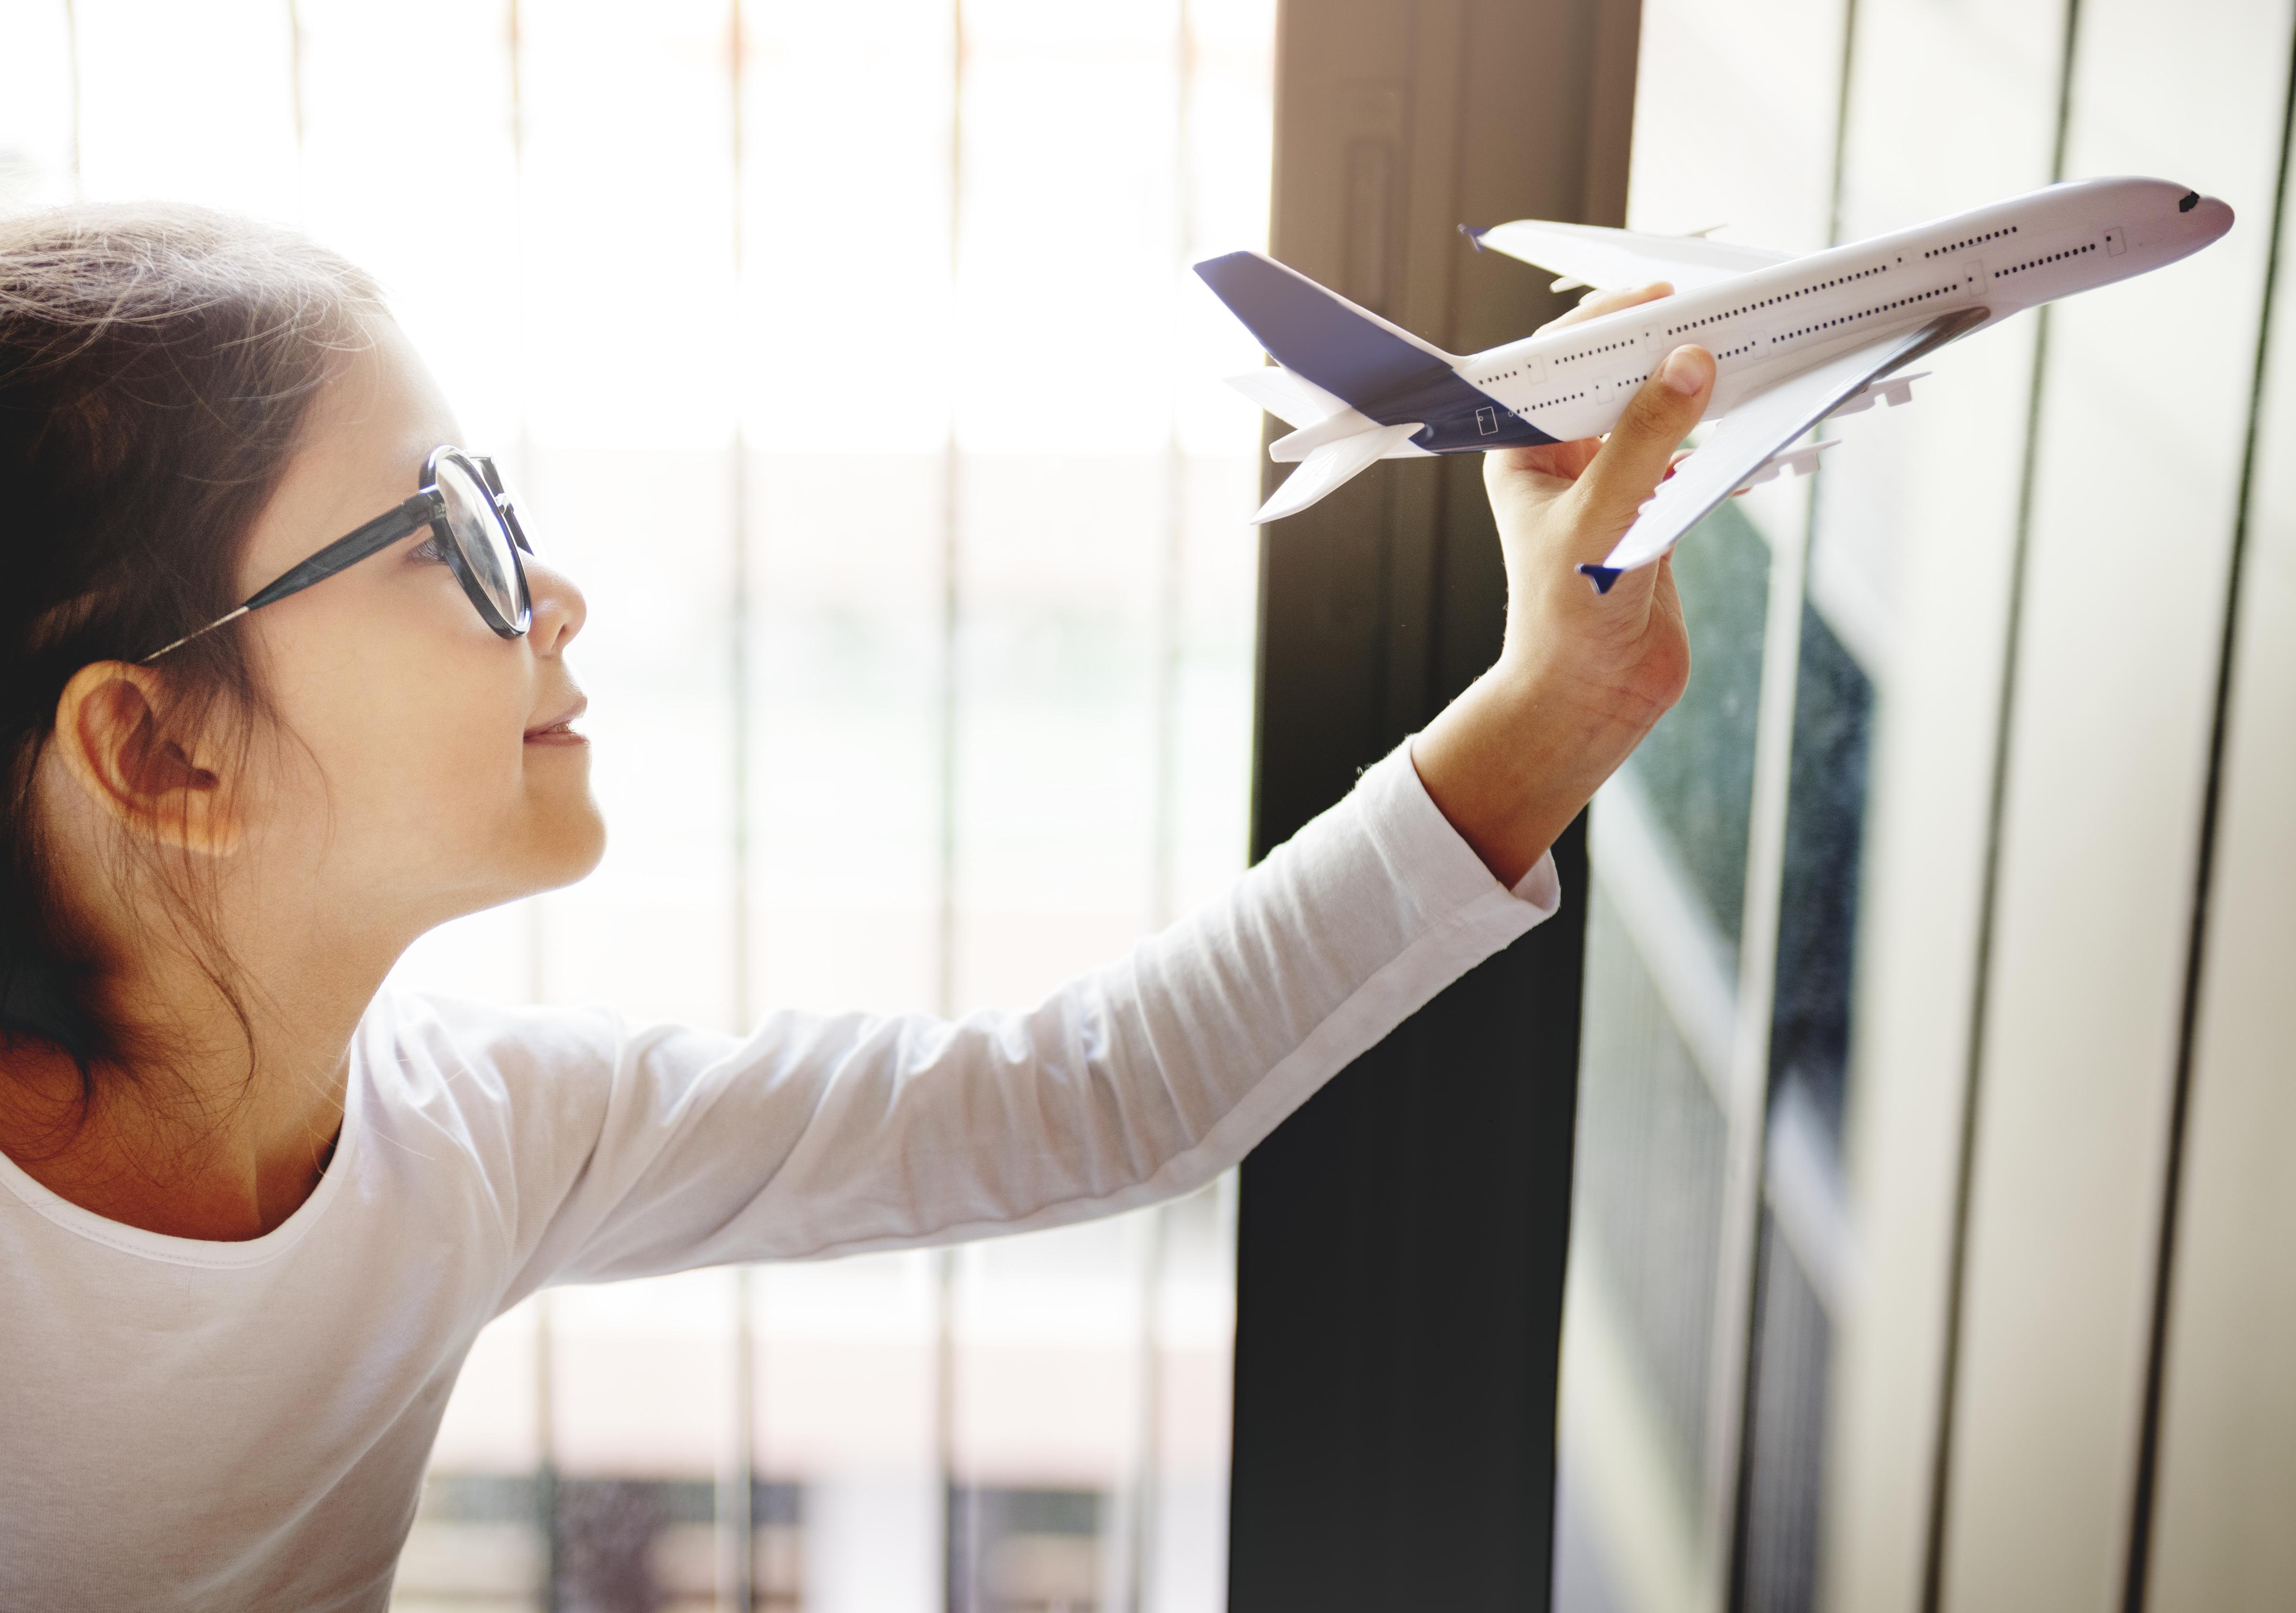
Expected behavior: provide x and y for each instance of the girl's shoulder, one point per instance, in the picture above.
(483, 1071)
(551, 1080)
(428, 1036)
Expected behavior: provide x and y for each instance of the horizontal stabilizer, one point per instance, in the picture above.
(1332, 467)
(1294, 399)
(1290, 450)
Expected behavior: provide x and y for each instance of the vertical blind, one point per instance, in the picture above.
(1912, 995)
(849, 360)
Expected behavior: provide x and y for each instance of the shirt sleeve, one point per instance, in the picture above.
(644, 1149)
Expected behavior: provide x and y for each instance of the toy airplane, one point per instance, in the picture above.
(1794, 339)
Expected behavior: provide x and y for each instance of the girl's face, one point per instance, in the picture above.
(423, 767)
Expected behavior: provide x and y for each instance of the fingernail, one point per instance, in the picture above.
(1683, 371)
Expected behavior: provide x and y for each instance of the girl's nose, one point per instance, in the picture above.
(559, 608)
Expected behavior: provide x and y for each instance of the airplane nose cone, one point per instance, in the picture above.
(2202, 218)
(2208, 218)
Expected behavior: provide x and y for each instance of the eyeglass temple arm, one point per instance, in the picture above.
(347, 550)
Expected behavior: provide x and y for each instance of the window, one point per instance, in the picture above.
(963, 707)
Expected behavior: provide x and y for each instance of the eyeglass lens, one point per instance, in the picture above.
(485, 543)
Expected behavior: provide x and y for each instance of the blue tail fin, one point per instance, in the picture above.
(1602, 577)
(1348, 352)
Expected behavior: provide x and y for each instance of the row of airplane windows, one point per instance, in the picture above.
(1903, 302)
(1591, 352)
(1879, 268)
(1974, 240)
(1745, 347)
(2037, 262)
(1546, 403)
(1821, 286)
(1555, 403)
(1809, 330)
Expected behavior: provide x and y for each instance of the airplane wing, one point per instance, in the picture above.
(1586, 254)
(1751, 435)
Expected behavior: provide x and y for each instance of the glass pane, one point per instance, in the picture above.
(1817, 919)
(1696, 769)
(1806, 1227)
(1785, 1434)
(1668, 846)
(1649, 1175)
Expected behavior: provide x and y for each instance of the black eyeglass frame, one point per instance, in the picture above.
(427, 508)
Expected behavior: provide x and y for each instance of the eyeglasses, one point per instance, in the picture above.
(474, 521)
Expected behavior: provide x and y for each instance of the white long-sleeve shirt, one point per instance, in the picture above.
(188, 1425)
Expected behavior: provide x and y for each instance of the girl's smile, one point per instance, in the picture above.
(560, 730)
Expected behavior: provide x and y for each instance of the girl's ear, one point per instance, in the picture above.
(113, 733)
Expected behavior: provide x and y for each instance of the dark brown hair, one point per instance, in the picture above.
(156, 364)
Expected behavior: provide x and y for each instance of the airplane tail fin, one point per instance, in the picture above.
(1349, 352)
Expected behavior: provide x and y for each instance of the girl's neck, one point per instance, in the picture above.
(197, 1137)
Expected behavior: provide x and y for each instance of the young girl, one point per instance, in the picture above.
(283, 685)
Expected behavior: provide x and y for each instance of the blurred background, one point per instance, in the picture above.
(1932, 1206)
(847, 357)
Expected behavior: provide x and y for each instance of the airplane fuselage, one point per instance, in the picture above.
(1770, 322)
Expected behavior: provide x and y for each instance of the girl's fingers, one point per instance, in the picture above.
(1551, 464)
(1640, 448)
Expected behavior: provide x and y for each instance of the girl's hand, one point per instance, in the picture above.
(1582, 676)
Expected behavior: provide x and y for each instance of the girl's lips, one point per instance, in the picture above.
(561, 731)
